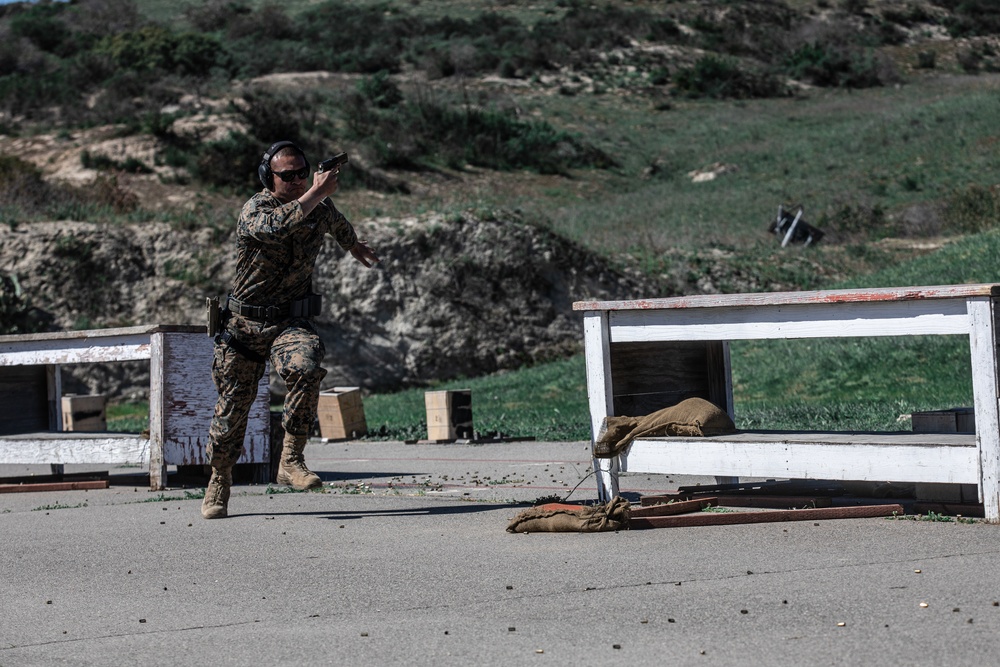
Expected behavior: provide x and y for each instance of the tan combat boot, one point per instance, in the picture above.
(216, 503)
(293, 471)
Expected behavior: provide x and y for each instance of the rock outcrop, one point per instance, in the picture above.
(456, 296)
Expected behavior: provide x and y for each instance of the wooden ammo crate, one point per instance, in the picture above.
(84, 413)
(449, 414)
(341, 413)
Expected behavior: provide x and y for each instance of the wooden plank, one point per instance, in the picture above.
(670, 509)
(66, 477)
(76, 351)
(35, 448)
(749, 500)
(874, 319)
(909, 457)
(733, 518)
(54, 486)
(983, 344)
(157, 415)
(785, 298)
(96, 334)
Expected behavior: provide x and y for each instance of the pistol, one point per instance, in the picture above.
(330, 163)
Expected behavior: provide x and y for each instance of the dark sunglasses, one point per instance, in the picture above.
(292, 174)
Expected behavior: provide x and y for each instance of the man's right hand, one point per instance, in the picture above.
(324, 185)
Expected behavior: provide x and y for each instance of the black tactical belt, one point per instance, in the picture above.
(307, 306)
(229, 339)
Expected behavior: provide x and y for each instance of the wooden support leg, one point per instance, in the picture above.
(597, 348)
(157, 462)
(607, 478)
(53, 375)
(986, 389)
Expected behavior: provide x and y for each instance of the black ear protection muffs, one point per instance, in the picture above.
(264, 170)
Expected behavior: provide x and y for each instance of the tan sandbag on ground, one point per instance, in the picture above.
(692, 417)
(592, 519)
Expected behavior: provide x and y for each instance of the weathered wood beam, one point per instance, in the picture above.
(733, 518)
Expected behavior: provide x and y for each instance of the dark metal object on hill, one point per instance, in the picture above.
(793, 229)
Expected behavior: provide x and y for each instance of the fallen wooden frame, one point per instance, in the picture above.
(733, 518)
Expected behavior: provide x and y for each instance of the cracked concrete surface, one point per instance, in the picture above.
(404, 558)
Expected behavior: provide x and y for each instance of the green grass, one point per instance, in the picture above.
(128, 417)
(866, 383)
(547, 402)
(886, 147)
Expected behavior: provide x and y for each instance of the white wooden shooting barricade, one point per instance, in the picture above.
(181, 400)
(644, 355)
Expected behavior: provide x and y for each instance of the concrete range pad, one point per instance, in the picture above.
(403, 558)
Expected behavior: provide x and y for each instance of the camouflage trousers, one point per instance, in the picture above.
(296, 353)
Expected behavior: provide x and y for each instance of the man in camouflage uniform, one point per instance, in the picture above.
(280, 233)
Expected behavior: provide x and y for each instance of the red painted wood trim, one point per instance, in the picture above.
(715, 519)
(789, 298)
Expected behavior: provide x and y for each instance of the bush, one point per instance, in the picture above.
(744, 29)
(972, 210)
(856, 223)
(824, 65)
(17, 315)
(380, 91)
(229, 163)
(970, 18)
(42, 25)
(723, 78)
(156, 48)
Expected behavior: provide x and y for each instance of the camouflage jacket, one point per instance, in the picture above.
(277, 247)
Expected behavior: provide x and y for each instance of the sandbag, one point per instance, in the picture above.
(692, 417)
(563, 519)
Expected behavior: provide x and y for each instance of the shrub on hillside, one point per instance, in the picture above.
(971, 18)
(851, 223)
(717, 77)
(17, 315)
(228, 163)
(744, 29)
(972, 209)
(22, 190)
(43, 26)
(829, 66)
(157, 48)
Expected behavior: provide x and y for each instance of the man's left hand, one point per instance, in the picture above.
(364, 254)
